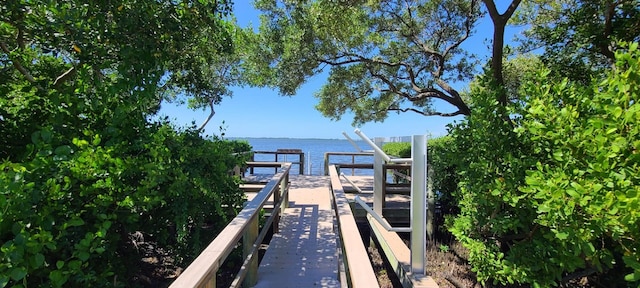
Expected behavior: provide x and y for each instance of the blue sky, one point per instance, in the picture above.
(256, 112)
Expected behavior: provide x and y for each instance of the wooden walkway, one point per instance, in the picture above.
(317, 243)
(305, 252)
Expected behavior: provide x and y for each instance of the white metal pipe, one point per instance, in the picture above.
(352, 142)
(400, 160)
(351, 182)
(378, 182)
(373, 145)
(418, 203)
(380, 219)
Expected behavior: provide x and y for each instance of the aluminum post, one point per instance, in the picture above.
(418, 202)
(378, 185)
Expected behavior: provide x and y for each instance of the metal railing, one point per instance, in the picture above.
(202, 271)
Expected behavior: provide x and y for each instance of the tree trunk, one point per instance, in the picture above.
(204, 124)
(499, 25)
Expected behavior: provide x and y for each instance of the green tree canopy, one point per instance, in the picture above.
(381, 55)
(579, 38)
(83, 169)
(139, 50)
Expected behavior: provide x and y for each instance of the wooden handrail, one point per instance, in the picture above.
(353, 165)
(354, 253)
(202, 271)
(278, 152)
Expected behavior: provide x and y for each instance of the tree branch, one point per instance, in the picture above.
(495, 15)
(578, 274)
(427, 113)
(211, 114)
(606, 32)
(18, 65)
(64, 77)
(455, 98)
(467, 32)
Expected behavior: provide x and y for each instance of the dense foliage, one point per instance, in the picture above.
(397, 149)
(444, 173)
(557, 183)
(579, 38)
(85, 175)
(70, 209)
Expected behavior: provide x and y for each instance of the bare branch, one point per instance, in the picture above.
(64, 76)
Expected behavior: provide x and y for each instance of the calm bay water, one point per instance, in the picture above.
(313, 149)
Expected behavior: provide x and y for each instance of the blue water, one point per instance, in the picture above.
(313, 149)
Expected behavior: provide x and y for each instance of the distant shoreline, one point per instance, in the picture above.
(284, 138)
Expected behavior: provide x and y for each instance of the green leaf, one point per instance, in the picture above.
(96, 140)
(544, 208)
(57, 278)
(4, 280)
(633, 277)
(38, 260)
(557, 155)
(533, 181)
(631, 262)
(46, 135)
(573, 193)
(63, 150)
(60, 264)
(83, 255)
(597, 187)
(562, 235)
(18, 273)
(75, 222)
(75, 265)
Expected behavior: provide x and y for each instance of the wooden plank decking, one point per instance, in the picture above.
(305, 252)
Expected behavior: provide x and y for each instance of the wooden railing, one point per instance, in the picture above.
(277, 153)
(202, 271)
(352, 165)
(354, 255)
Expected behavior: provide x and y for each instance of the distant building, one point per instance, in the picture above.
(398, 139)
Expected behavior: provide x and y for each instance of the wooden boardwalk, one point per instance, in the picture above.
(317, 243)
(305, 252)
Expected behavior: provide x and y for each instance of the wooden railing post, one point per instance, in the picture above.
(284, 184)
(301, 156)
(248, 239)
(326, 164)
(275, 226)
(353, 161)
(253, 158)
(276, 160)
(211, 283)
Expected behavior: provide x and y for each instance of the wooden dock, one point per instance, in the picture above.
(305, 252)
(316, 242)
